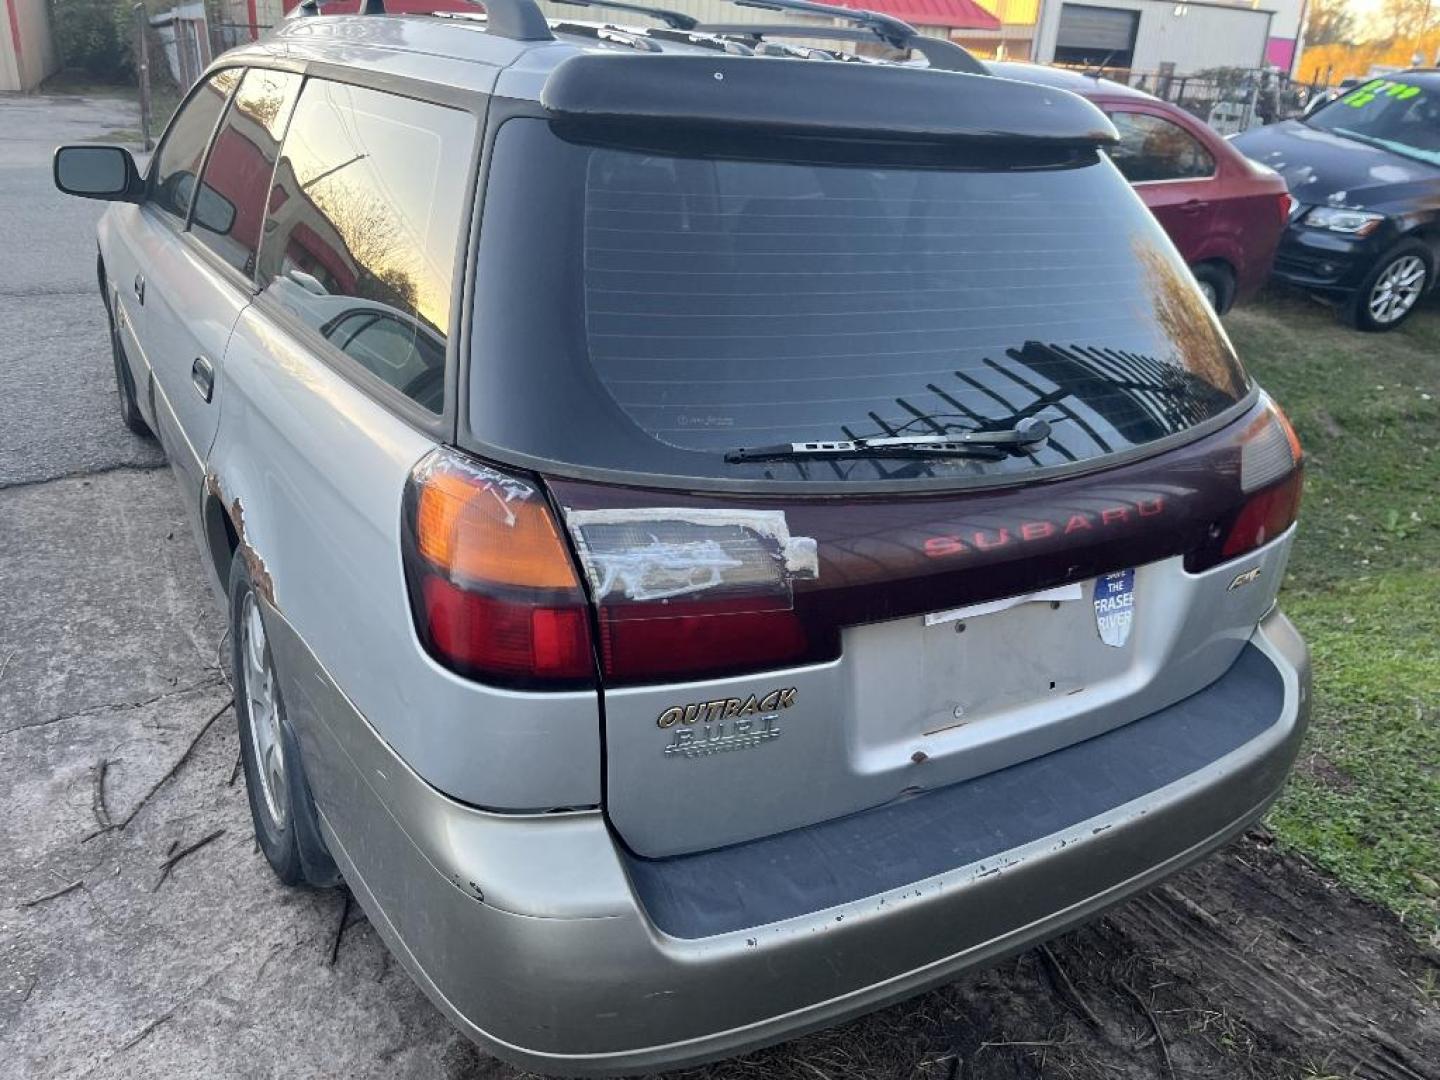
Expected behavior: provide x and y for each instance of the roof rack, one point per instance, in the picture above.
(676, 20)
(522, 20)
(615, 35)
(518, 20)
(941, 53)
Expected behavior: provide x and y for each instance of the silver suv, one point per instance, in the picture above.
(719, 534)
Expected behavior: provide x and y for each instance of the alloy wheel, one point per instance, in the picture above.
(262, 709)
(1397, 289)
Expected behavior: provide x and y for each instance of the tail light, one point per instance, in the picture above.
(1271, 479)
(692, 592)
(493, 590)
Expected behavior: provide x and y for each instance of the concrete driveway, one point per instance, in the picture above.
(142, 935)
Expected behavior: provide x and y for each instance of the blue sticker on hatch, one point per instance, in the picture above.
(1115, 606)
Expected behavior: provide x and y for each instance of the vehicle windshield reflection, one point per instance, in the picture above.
(1387, 113)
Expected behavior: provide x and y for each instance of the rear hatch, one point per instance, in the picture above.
(692, 341)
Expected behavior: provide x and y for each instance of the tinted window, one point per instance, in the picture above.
(648, 313)
(365, 216)
(178, 162)
(231, 207)
(1394, 115)
(1152, 148)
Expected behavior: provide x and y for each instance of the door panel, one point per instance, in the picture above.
(191, 308)
(1173, 172)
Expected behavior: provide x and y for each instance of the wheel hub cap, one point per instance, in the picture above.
(263, 712)
(1397, 289)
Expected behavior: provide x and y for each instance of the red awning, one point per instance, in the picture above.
(954, 14)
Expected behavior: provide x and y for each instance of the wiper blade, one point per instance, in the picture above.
(988, 445)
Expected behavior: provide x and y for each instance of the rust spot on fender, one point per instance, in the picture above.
(259, 576)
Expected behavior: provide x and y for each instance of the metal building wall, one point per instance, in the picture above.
(1193, 36)
(27, 53)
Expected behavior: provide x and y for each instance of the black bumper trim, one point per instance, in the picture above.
(887, 847)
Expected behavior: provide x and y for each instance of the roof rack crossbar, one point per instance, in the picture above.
(518, 20)
(676, 20)
(941, 53)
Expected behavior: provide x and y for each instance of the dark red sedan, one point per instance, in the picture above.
(1224, 212)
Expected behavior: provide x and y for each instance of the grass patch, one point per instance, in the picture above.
(1364, 588)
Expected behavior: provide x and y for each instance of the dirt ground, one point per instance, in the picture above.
(1251, 964)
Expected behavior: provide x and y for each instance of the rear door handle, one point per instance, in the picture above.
(140, 288)
(1193, 206)
(202, 374)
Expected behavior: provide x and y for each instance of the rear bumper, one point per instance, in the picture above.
(541, 939)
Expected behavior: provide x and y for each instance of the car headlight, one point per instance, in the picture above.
(1337, 219)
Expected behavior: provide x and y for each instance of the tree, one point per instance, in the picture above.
(1330, 22)
(1404, 19)
(94, 36)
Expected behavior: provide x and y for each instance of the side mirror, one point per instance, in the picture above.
(213, 211)
(98, 172)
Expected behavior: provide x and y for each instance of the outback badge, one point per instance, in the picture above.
(703, 728)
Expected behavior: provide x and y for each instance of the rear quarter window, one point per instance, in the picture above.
(363, 228)
(646, 312)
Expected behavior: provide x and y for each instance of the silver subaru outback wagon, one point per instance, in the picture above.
(719, 534)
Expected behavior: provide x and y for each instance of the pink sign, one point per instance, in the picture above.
(1280, 52)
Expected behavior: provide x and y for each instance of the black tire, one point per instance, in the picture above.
(1218, 283)
(1360, 310)
(130, 413)
(287, 826)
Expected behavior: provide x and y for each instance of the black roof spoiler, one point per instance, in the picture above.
(876, 100)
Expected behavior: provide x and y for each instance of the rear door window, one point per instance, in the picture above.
(177, 164)
(231, 206)
(652, 313)
(1152, 148)
(365, 219)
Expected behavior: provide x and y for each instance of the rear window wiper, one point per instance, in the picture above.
(987, 445)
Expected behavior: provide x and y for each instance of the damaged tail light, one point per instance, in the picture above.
(493, 589)
(692, 592)
(1271, 480)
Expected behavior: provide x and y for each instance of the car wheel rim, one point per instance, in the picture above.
(263, 712)
(1397, 289)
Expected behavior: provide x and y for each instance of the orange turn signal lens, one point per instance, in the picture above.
(493, 591)
(488, 528)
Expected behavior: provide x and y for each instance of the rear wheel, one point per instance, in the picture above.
(1217, 284)
(1392, 290)
(286, 823)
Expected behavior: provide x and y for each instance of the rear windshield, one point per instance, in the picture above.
(651, 313)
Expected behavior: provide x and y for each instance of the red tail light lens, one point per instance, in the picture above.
(1264, 516)
(689, 593)
(1271, 481)
(493, 590)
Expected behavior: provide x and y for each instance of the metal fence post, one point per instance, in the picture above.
(142, 71)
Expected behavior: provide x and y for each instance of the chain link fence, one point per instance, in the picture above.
(1230, 100)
